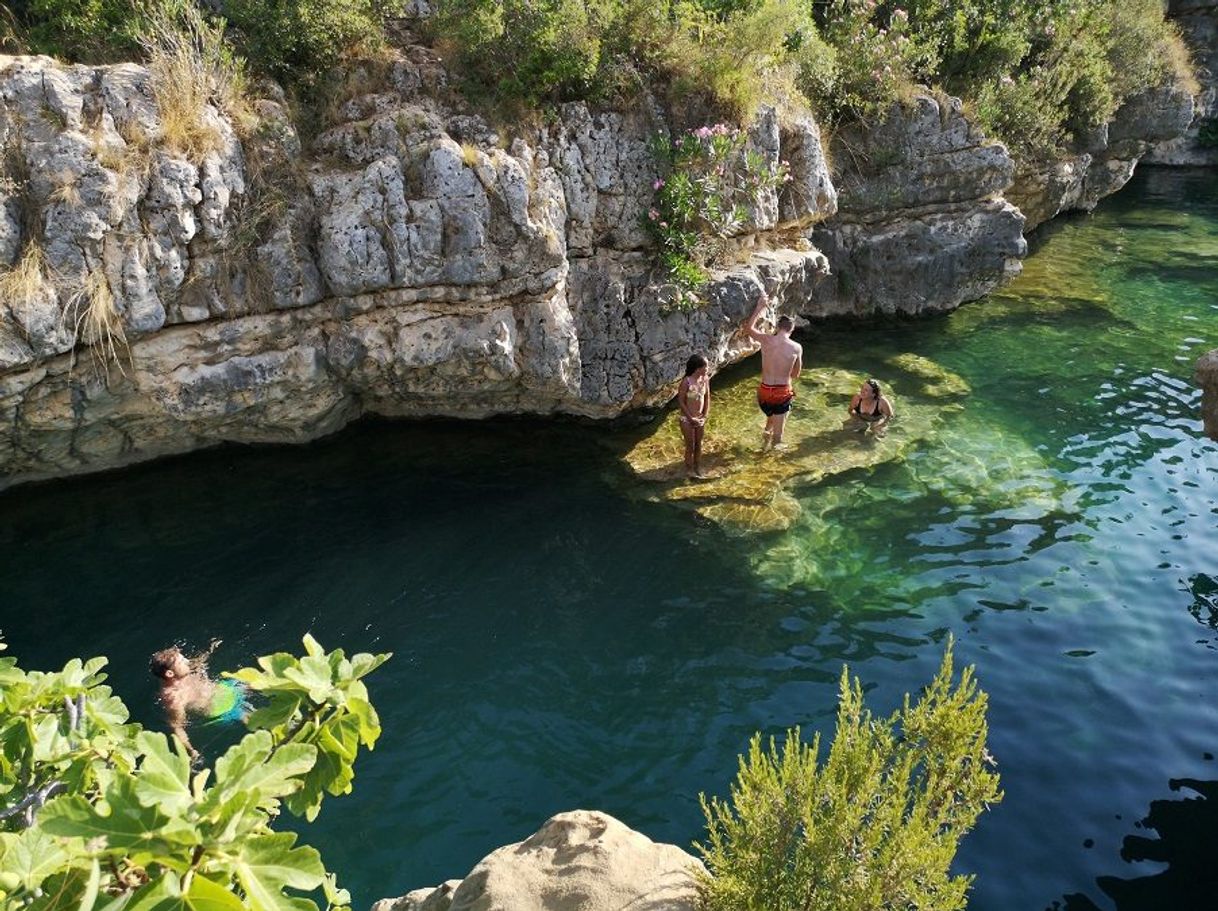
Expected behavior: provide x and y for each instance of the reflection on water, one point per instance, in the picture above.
(1184, 841)
(559, 644)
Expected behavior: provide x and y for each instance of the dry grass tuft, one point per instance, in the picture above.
(469, 155)
(98, 323)
(25, 281)
(67, 189)
(193, 69)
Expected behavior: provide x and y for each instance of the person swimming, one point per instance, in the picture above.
(188, 690)
(871, 407)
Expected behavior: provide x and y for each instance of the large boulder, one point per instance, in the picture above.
(921, 225)
(1207, 378)
(583, 860)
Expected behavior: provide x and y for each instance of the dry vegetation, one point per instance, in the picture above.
(192, 71)
(98, 324)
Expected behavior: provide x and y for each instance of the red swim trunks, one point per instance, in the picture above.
(774, 400)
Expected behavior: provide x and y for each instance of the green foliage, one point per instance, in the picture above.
(874, 827)
(510, 51)
(82, 30)
(519, 52)
(711, 180)
(875, 59)
(98, 815)
(298, 40)
(1038, 75)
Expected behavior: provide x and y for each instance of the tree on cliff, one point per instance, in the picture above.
(875, 827)
(97, 814)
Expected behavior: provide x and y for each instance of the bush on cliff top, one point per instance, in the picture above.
(874, 827)
(1038, 74)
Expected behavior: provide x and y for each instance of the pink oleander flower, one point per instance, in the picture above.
(653, 214)
(663, 224)
(657, 185)
(787, 178)
(703, 132)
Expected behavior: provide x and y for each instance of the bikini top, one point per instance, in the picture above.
(695, 392)
(872, 415)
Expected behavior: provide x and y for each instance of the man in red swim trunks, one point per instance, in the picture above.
(781, 363)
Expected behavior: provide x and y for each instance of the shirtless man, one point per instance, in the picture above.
(186, 689)
(781, 363)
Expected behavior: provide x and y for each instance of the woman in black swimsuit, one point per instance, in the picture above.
(870, 407)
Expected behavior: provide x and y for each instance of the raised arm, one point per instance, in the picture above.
(750, 325)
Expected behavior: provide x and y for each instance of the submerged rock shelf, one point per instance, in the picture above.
(747, 490)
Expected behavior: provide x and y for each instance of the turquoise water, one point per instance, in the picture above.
(561, 643)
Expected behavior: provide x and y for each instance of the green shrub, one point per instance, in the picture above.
(96, 813)
(539, 54)
(297, 41)
(875, 827)
(82, 30)
(875, 59)
(509, 52)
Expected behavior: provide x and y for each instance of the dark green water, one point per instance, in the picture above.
(559, 644)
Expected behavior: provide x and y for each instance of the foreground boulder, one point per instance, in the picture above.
(583, 860)
(1207, 377)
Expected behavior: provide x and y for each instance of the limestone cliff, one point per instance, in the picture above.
(922, 225)
(407, 260)
(1198, 22)
(1103, 162)
(407, 264)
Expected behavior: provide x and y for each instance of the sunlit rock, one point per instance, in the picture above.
(583, 860)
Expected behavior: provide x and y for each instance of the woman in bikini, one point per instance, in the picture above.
(870, 407)
(693, 398)
(186, 689)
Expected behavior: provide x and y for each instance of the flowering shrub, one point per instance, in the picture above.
(712, 180)
(875, 57)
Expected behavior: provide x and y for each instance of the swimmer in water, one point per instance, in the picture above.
(186, 689)
(869, 409)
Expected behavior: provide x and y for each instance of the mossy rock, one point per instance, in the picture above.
(747, 490)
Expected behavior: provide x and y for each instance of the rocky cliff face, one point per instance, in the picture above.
(1105, 161)
(409, 261)
(409, 264)
(1198, 21)
(922, 225)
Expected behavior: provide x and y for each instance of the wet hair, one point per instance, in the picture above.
(164, 661)
(785, 324)
(695, 363)
(875, 388)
